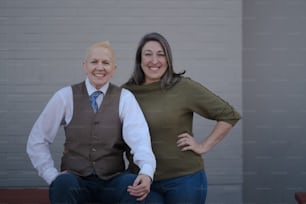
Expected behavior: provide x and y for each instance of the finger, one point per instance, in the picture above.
(186, 148)
(183, 142)
(185, 134)
(182, 145)
(142, 197)
(136, 194)
(136, 189)
(139, 194)
(137, 181)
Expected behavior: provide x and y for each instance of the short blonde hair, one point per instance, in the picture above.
(102, 44)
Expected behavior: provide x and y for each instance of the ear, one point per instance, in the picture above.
(84, 66)
(114, 70)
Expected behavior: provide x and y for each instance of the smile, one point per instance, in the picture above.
(99, 75)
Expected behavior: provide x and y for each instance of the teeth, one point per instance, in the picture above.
(154, 68)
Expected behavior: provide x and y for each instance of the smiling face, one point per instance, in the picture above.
(153, 61)
(99, 65)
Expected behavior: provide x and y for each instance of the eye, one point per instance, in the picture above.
(106, 62)
(147, 54)
(94, 61)
(161, 53)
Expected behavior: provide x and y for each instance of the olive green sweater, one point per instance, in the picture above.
(169, 112)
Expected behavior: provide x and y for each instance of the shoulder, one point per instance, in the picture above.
(189, 83)
(189, 80)
(64, 93)
(126, 94)
(61, 97)
(127, 98)
(78, 85)
(66, 89)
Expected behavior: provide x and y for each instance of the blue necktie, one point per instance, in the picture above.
(93, 97)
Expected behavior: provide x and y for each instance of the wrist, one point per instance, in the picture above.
(147, 177)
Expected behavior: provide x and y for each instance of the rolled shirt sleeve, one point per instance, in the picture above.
(43, 134)
(136, 134)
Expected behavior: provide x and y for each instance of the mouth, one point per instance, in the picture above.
(154, 68)
(99, 75)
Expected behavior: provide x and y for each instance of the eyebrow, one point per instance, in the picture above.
(148, 50)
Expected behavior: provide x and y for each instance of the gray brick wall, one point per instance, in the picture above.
(42, 44)
(274, 81)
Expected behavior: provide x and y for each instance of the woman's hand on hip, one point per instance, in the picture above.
(186, 142)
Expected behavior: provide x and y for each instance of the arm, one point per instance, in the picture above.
(42, 135)
(187, 142)
(136, 135)
(207, 104)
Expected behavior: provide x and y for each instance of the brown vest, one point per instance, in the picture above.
(94, 140)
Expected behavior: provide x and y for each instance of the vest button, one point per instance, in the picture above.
(96, 122)
(94, 149)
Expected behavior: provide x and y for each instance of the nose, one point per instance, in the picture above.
(100, 65)
(155, 59)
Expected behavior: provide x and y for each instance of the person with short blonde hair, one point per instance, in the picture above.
(101, 122)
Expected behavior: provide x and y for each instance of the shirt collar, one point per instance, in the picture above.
(91, 89)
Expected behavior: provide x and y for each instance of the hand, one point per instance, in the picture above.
(140, 187)
(187, 142)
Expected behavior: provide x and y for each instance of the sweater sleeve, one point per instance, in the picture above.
(207, 104)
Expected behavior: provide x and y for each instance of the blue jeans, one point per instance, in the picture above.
(190, 189)
(69, 188)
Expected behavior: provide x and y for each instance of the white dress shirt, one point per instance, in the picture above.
(58, 112)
